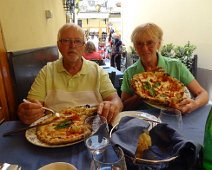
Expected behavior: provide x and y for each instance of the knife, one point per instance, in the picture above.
(25, 128)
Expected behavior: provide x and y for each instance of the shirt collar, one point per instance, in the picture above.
(84, 69)
(161, 63)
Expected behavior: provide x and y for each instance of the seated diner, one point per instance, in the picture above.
(91, 53)
(147, 39)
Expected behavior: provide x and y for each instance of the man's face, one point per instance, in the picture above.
(71, 45)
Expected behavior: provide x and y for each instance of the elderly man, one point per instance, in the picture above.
(70, 81)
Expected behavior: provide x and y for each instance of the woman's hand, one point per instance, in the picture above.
(30, 112)
(187, 105)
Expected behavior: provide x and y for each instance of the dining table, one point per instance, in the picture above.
(16, 149)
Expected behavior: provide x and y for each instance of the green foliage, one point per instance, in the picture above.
(183, 53)
(132, 50)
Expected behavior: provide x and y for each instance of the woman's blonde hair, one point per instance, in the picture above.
(90, 47)
(149, 29)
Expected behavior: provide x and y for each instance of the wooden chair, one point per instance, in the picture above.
(194, 66)
(112, 77)
(99, 62)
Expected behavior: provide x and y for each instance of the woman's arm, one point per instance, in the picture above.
(130, 102)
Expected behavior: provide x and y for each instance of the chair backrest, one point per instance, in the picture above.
(112, 76)
(99, 62)
(194, 66)
(25, 65)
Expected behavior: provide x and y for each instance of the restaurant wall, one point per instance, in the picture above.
(25, 26)
(181, 21)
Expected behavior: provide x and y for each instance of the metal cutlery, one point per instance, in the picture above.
(50, 110)
(25, 128)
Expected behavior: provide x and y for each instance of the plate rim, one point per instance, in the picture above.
(32, 139)
(65, 163)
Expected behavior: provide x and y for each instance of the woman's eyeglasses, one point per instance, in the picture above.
(149, 44)
(76, 42)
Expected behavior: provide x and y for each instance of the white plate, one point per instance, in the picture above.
(31, 136)
(141, 115)
(58, 166)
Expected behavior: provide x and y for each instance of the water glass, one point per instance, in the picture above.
(95, 142)
(111, 158)
(173, 117)
(100, 133)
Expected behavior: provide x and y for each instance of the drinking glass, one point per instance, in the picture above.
(172, 117)
(100, 133)
(111, 158)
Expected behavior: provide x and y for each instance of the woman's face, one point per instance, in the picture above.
(146, 47)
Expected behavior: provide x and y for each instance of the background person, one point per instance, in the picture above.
(147, 40)
(91, 53)
(116, 52)
(70, 81)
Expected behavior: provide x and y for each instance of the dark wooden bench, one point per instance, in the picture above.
(25, 65)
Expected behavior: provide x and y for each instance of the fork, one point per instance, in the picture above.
(48, 109)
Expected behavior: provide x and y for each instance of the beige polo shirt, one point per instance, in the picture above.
(58, 89)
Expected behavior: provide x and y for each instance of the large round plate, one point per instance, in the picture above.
(31, 136)
(141, 115)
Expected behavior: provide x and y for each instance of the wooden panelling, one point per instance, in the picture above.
(7, 101)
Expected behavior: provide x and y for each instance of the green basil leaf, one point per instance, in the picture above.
(63, 124)
(147, 85)
(157, 84)
(152, 92)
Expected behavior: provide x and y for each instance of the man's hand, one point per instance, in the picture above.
(30, 112)
(109, 110)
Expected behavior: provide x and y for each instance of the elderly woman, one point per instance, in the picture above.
(147, 39)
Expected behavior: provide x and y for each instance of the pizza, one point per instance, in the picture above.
(69, 127)
(158, 88)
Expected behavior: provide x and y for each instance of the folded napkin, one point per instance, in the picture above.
(127, 133)
(166, 143)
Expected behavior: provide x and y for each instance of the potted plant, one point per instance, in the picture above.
(183, 53)
(133, 54)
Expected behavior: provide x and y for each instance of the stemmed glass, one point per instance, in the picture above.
(111, 158)
(173, 117)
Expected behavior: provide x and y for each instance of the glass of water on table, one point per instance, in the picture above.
(99, 139)
(111, 158)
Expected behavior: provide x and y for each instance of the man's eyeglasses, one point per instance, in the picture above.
(76, 42)
(149, 44)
